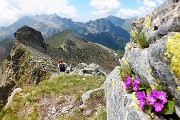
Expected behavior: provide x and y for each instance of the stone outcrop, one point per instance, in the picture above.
(84, 69)
(27, 64)
(30, 37)
(156, 65)
(5, 89)
(160, 22)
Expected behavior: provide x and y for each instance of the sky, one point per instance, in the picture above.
(77, 10)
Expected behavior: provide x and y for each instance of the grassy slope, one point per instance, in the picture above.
(28, 104)
(5, 48)
(58, 39)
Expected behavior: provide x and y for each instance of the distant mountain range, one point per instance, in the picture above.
(123, 23)
(108, 31)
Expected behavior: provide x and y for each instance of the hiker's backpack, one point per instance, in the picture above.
(62, 67)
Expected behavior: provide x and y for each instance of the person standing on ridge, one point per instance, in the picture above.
(61, 66)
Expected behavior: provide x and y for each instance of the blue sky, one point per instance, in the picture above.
(78, 10)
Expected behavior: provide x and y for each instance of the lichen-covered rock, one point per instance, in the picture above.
(158, 64)
(164, 60)
(138, 59)
(162, 20)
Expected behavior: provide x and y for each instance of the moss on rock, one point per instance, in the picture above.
(173, 50)
(148, 21)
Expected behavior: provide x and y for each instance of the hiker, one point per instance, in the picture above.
(61, 66)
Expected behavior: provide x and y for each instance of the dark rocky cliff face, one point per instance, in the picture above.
(27, 64)
(155, 65)
(30, 37)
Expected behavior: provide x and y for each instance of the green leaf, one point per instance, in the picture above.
(160, 88)
(169, 108)
(142, 87)
(148, 91)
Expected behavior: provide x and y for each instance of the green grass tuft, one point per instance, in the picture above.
(125, 70)
(141, 39)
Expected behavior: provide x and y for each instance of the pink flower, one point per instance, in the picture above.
(141, 95)
(158, 106)
(136, 84)
(154, 92)
(142, 103)
(128, 82)
(151, 99)
(136, 81)
(157, 99)
(161, 95)
(135, 88)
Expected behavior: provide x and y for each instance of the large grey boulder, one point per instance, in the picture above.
(138, 59)
(162, 20)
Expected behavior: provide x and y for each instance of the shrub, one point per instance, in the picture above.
(141, 39)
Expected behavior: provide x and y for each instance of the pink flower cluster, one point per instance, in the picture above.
(128, 83)
(155, 98)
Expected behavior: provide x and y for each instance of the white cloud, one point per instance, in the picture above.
(146, 7)
(129, 13)
(104, 7)
(149, 3)
(160, 1)
(13, 9)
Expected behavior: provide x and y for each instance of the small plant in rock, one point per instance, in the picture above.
(156, 100)
(141, 39)
(125, 70)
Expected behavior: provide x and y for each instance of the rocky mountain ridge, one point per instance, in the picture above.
(27, 63)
